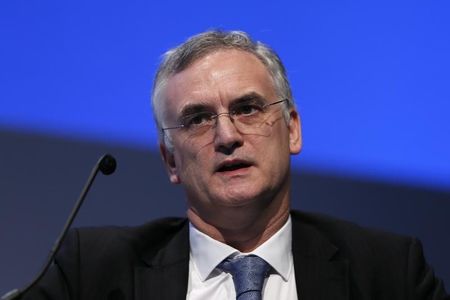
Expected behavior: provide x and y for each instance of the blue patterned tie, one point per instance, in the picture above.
(248, 274)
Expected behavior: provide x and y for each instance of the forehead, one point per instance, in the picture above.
(218, 78)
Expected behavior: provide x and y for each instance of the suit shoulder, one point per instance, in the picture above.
(351, 237)
(111, 241)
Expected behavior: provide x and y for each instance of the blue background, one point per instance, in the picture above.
(370, 78)
(371, 81)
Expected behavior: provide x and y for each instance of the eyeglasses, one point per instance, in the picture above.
(247, 117)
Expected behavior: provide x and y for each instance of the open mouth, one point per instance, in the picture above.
(233, 166)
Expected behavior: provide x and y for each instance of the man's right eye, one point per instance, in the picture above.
(196, 120)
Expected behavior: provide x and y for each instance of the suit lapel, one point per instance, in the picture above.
(318, 274)
(318, 279)
(165, 275)
(162, 283)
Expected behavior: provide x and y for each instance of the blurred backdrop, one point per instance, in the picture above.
(370, 80)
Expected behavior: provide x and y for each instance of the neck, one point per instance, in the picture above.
(241, 229)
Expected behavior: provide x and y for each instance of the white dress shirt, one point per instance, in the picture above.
(207, 282)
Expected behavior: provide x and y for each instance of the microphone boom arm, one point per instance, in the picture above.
(107, 165)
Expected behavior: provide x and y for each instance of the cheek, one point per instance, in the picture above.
(275, 150)
(192, 160)
(277, 141)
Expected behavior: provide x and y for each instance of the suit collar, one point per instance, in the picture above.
(319, 273)
(165, 273)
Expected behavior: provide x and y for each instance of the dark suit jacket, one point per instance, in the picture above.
(333, 260)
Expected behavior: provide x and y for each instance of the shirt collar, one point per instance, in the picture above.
(207, 253)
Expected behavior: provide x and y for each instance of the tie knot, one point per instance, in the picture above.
(248, 274)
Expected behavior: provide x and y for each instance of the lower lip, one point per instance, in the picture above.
(231, 173)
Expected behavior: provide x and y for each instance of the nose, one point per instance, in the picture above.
(226, 137)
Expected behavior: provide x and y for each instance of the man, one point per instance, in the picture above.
(228, 126)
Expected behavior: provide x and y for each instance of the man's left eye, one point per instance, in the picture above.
(247, 109)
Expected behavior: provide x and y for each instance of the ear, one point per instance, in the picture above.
(169, 162)
(295, 132)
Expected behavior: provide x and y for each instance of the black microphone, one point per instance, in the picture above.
(107, 165)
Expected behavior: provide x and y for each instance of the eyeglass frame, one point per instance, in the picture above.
(229, 113)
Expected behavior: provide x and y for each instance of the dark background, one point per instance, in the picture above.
(370, 80)
(41, 176)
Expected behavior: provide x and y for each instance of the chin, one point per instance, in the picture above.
(240, 197)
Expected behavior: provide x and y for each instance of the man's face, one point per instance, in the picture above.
(230, 169)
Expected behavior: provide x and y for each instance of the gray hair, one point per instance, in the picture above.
(179, 58)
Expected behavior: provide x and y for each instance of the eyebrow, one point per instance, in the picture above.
(249, 97)
(193, 108)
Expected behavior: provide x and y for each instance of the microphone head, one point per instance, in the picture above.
(107, 164)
